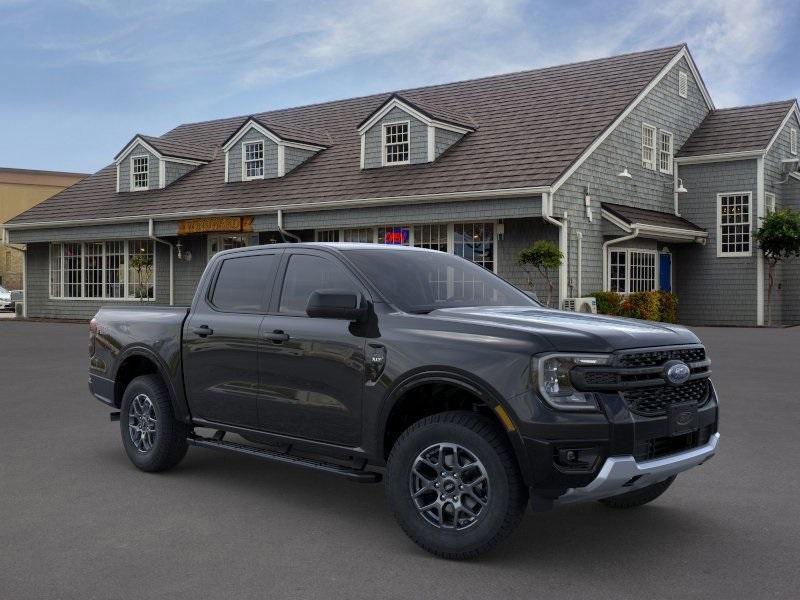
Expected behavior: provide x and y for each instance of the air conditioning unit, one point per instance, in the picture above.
(583, 305)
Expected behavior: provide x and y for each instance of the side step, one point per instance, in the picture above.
(298, 461)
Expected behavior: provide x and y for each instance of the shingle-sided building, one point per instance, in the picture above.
(624, 162)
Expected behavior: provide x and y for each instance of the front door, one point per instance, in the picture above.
(665, 272)
(312, 370)
(221, 339)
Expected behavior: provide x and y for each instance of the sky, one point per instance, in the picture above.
(80, 78)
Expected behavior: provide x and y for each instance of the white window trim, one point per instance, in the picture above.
(263, 160)
(451, 246)
(218, 237)
(103, 298)
(769, 202)
(627, 251)
(383, 143)
(668, 170)
(133, 187)
(652, 165)
(720, 253)
(793, 141)
(683, 84)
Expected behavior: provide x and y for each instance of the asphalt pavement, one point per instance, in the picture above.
(77, 520)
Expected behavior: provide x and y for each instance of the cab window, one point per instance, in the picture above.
(307, 273)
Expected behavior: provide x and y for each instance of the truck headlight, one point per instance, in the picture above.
(551, 374)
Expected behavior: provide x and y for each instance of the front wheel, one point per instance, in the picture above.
(454, 485)
(153, 438)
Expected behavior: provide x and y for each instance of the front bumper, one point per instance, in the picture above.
(622, 474)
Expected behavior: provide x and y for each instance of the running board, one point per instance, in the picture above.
(298, 461)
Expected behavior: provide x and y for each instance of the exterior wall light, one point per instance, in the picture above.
(680, 189)
(625, 174)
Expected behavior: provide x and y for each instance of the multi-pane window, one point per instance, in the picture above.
(328, 235)
(631, 271)
(361, 235)
(433, 237)
(683, 84)
(140, 166)
(665, 152)
(793, 140)
(101, 270)
(253, 160)
(733, 231)
(648, 146)
(769, 200)
(395, 143)
(475, 242)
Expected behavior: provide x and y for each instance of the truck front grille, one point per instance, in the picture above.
(654, 401)
(656, 358)
(664, 446)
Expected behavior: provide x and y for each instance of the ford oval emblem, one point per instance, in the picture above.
(684, 418)
(677, 372)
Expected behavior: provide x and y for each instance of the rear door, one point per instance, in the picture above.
(221, 339)
(312, 370)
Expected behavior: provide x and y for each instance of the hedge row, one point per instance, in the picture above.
(651, 306)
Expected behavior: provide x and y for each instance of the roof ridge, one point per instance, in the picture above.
(390, 93)
(788, 101)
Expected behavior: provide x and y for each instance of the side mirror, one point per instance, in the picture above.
(336, 304)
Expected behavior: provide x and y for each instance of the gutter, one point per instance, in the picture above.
(151, 234)
(618, 240)
(296, 207)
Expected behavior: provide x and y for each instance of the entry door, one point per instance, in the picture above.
(312, 370)
(221, 339)
(665, 271)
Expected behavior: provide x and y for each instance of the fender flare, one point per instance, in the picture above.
(176, 396)
(462, 379)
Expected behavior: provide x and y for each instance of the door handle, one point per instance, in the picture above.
(277, 336)
(203, 330)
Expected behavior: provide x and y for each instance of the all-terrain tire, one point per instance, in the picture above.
(166, 446)
(506, 498)
(638, 497)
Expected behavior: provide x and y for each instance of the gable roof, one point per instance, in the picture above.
(639, 216)
(431, 112)
(530, 127)
(738, 129)
(282, 131)
(168, 148)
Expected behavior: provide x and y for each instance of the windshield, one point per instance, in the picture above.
(419, 282)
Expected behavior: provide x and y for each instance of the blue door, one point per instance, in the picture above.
(665, 272)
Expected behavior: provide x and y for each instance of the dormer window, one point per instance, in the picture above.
(253, 153)
(140, 169)
(396, 148)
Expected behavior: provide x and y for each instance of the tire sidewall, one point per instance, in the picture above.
(399, 470)
(143, 385)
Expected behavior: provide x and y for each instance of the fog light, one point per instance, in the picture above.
(578, 459)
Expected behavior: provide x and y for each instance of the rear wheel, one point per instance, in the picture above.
(153, 439)
(639, 497)
(454, 485)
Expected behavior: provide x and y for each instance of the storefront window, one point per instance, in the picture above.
(632, 271)
(218, 243)
(475, 242)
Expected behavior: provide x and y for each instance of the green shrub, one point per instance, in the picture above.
(669, 307)
(608, 303)
(642, 305)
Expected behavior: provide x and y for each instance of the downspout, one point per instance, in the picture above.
(675, 187)
(618, 240)
(282, 231)
(580, 264)
(563, 242)
(151, 234)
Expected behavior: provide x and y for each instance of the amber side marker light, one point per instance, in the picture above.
(507, 422)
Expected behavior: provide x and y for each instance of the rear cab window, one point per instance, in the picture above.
(243, 283)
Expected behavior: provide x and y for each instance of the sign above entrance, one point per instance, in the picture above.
(214, 224)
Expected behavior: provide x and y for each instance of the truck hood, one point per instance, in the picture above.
(573, 332)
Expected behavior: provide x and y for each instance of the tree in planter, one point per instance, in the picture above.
(142, 265)
(542, 256)
(779, 239)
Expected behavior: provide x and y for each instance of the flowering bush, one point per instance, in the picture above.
(651, 306)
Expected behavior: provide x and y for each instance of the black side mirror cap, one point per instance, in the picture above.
(336, 304)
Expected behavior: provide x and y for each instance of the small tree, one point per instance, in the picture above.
(543, 256)
(142, 265)
(779, 239)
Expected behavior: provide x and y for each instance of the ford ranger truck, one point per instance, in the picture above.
(373, 362)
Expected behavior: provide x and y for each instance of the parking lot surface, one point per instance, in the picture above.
(77, 520)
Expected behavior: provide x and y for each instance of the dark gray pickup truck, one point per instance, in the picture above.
(364, 361)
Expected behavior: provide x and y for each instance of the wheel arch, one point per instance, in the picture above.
(139, 360)
(406, 390)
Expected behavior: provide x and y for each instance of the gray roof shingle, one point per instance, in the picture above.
(738, 129)
(631, 215)
(530, 127)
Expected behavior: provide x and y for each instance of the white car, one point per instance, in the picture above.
(5, 299)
